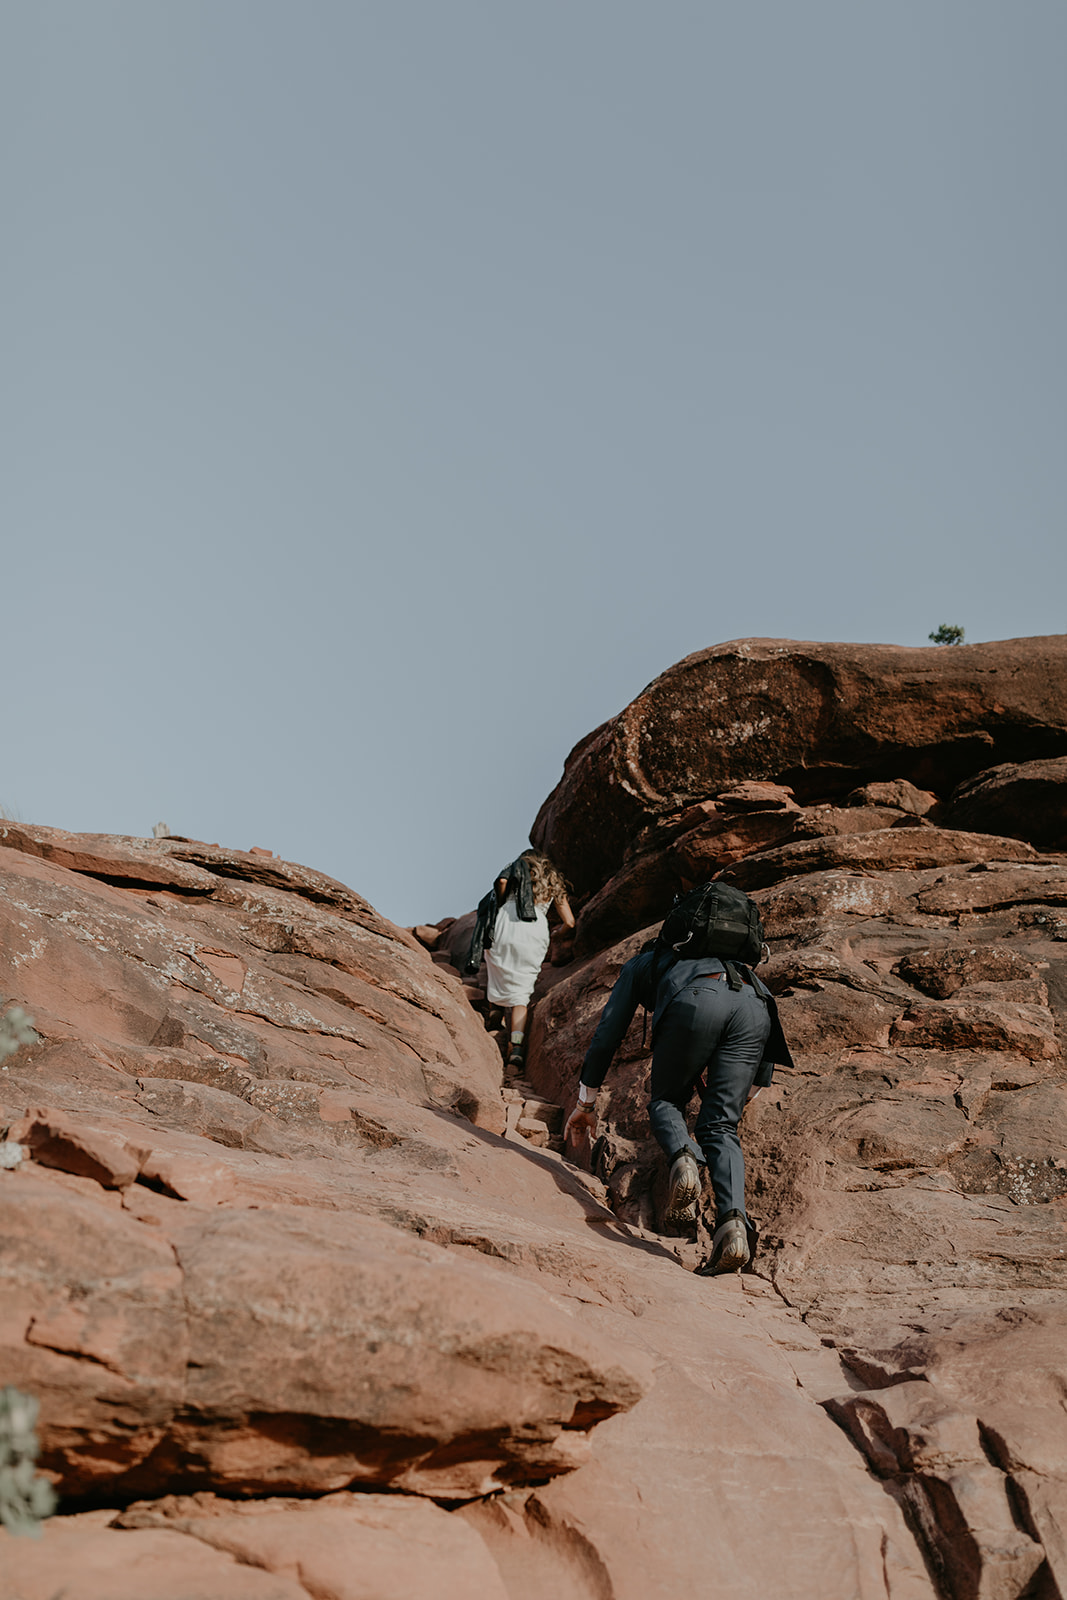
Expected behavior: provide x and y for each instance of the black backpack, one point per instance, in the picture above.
(714, 920)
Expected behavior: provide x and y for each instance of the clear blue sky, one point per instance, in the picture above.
(392, 389)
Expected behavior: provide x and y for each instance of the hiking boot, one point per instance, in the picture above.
(685, 1187)
(729, 1247)
(516, 1056)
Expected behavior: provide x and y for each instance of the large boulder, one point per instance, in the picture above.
(822, 719)
(1026, 800)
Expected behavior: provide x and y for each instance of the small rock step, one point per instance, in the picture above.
(536, 1110)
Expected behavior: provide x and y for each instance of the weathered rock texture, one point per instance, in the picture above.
(307, 1318)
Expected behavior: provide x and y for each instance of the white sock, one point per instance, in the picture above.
(516, 1038)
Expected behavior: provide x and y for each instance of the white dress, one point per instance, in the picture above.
(514, 958)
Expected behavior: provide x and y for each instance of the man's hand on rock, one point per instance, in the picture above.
(581, 1120)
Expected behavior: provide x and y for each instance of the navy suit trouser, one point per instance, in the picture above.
(713, 1029)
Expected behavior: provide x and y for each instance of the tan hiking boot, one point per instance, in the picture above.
(685, 1187)
(729, 1248)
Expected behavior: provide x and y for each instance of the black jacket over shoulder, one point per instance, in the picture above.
(632, 989)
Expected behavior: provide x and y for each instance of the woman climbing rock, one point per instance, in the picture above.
(512, 929)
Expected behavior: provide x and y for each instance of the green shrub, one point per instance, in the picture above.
(25, 1497)
(16, 1029)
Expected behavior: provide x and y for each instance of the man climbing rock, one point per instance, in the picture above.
(714, 1025)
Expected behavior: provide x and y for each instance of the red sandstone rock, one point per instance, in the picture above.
(721, 1431)
(640, 892)
(819, 718)
(756, 797)
(996, 887)
(900, 795)
(1025, 801)
(1001, 1370)
(231, 1344)
(189, 1175)
(81, 1558)
(308, 978)
(817, 821)
(912, 1434)
(1027, 1030)
(341, 1547)
(93, 1324)
(941, 972)
(54, 1140)
(744, 849)
(706, 849)
(889, 848)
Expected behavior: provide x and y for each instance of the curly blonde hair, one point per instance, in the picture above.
(545, 877)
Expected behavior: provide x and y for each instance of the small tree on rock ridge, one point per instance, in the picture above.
(947, 633)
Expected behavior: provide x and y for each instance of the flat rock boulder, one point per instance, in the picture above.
(879, 851)
(84, 1558)
(285, 1348)
(342, 1546)
(900, 795)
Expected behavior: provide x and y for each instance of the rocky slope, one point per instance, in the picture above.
(308, 1316)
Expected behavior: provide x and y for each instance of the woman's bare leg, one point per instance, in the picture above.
(516, 1044)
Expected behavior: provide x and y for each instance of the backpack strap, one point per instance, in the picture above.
(653, 986)
(733, 977)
